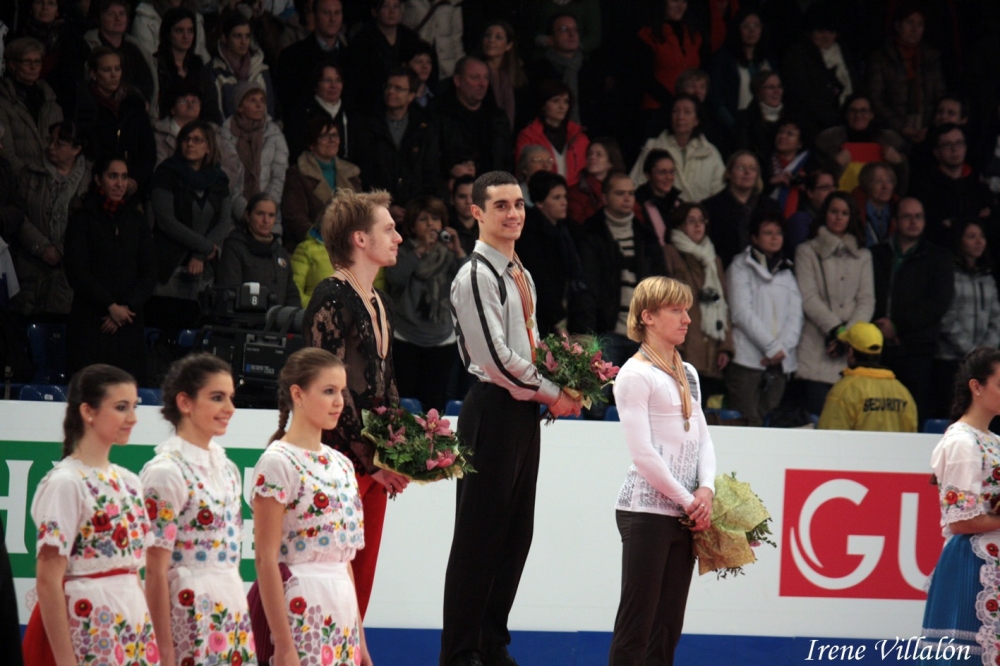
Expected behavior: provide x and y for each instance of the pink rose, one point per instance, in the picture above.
(217, 641)
(112, 510)
(327, 656)
(152, 653)
(170, 532)
(380, 410)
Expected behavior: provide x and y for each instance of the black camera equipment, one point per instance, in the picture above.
(254, 336)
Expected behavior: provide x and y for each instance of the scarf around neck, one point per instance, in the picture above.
(201, 179)
(239, 64)
(432, 270)
(715, 314)
(249, 136)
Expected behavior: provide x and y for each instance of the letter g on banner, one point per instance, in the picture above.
(868, 547)
(867, 535)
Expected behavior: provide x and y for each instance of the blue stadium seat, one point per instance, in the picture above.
(453, 408)
(43, 393)
(48, 349)
(412, 405)
(150, 397)
(186, 338)
(936, 426)
(611, 413)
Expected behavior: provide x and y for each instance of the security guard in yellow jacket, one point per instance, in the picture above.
(868, 397)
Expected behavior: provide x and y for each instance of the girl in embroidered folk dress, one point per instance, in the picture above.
(193, 497)
(962, 603)
(308, 524)
(671, 478)
(91, 534)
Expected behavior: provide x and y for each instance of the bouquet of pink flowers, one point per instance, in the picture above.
(422, 448)
(576, 364)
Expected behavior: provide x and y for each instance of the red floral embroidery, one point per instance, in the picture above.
(83, 608)
(187, 661)
(996, 473)
(186, 597)
(321, 501)
(205, 517)
(951, 497)
(298, 605)
(992, 549)
(120, 536)
(992, 605)
(260, 480)
(323, 460)
(237, 660)
(101, 522)
(151, 508)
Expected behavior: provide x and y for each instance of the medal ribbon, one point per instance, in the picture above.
(675, 370)
(380, 324)
(527, 304)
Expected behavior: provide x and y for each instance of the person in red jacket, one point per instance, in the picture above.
(674, 46)
(553, 129)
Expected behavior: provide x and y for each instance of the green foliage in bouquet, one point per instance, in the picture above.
(576, 364)
(739, 524)
(422, 448)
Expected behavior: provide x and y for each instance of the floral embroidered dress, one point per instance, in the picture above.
(193, 500)
(963, 601)
(94, 518)
(323, 527)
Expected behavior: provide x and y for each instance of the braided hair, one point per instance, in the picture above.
(300, 370)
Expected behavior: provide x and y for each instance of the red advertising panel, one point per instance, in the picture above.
(862, 535)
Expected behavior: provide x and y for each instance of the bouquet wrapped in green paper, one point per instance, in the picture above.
(739, 523)
(422, 448)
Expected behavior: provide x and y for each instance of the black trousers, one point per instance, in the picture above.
(494, 520)
(657, 563)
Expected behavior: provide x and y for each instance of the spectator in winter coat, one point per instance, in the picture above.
(254, 152)
(138, 66)
(914, 283)
(377, 49)
(184, 106)
(482, 125)
(875, 196)
(565, 139)
(399, 148)
(297, 64)
(690, 258)
(667, 48)
(28, 105)
(586, 197)
(327, 100)
(952, 191)
(733, 208)
(313, 180)
(253, 253)
(905, 78)
(507, 80)
(834, 274)
(179, 63)
(819, 75)
(757, 124)
(52, 188)
(700, 169)
(439, 23)
(766, 309)
(546, 249)
(657, 197)
(239, 61)
(114, 120)
(818, 185)
(736, 64)
(65, 49)
(149, 16)
(424, 346)
(617, 251)
(192, 212)
(973, 319)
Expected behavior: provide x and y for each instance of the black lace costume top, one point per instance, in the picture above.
(337, 320)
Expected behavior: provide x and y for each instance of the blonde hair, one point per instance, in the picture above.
(652, 294)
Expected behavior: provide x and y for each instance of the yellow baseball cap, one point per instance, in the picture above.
(864, 337)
